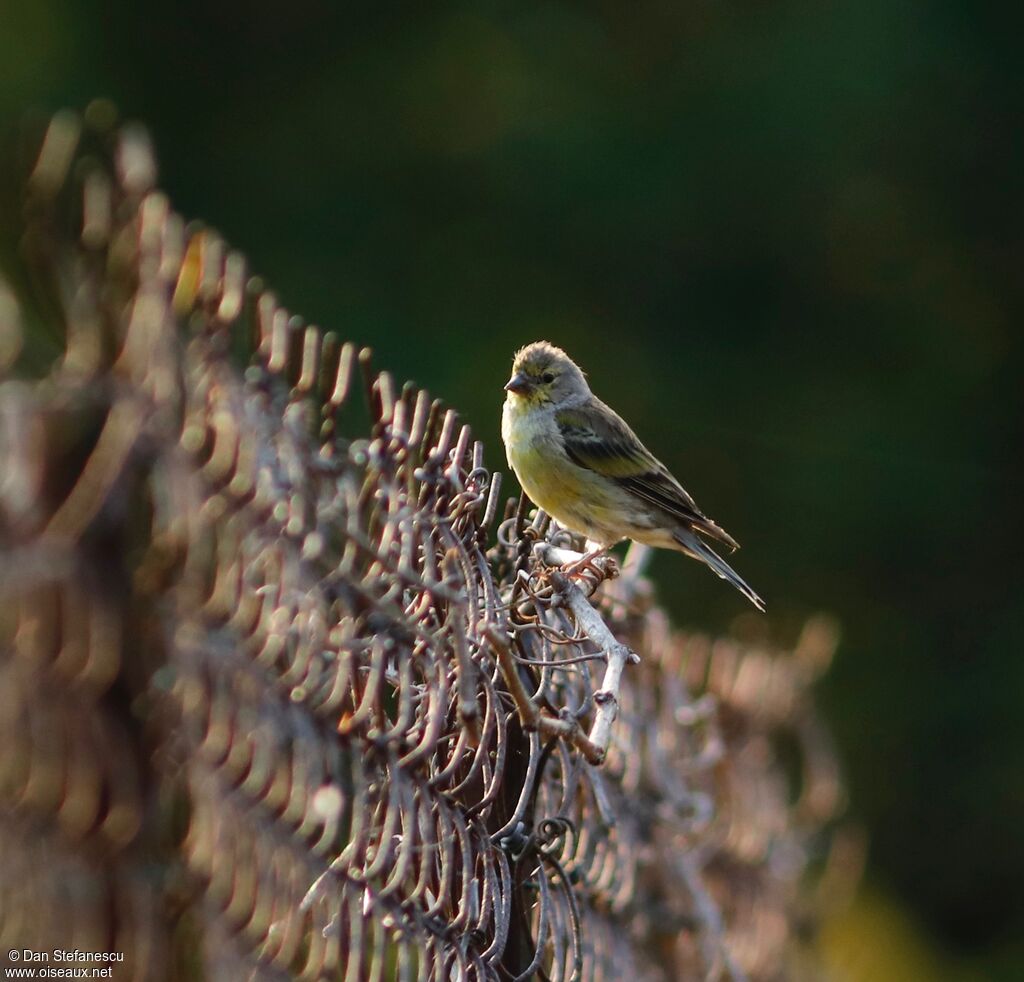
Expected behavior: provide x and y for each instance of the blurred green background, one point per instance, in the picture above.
(784, 238)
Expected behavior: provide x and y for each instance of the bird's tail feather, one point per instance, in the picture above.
(705, 526)
(696, 547)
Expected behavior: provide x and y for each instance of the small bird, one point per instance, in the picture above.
(578, 460)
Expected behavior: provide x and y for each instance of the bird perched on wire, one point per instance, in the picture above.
(578, 460)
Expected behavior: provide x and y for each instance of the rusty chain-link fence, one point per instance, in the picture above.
(288, 689)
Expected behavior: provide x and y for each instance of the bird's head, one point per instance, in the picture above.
(544, 375)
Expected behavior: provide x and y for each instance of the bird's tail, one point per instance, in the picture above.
(694, 546)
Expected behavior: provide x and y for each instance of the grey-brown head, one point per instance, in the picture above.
(543, 374)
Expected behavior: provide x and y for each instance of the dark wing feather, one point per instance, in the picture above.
(598, 439)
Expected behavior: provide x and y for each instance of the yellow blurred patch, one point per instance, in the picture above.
(875, 940)
(186, 291)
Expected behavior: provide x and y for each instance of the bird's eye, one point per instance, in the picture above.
(547, 378)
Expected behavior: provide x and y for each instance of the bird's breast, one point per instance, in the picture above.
(576, 497)
(523, 429)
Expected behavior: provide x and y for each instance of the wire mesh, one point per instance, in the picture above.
(280, 700)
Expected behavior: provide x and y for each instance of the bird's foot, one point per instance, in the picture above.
(588, 570)
(596, 563)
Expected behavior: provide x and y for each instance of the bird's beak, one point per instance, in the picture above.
(519, 383)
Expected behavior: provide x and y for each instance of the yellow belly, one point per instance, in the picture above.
(576, 498)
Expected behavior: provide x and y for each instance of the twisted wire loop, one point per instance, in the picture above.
(271, 706)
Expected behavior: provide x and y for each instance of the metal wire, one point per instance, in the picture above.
(256, 714)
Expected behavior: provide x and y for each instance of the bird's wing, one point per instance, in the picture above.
(598, 439)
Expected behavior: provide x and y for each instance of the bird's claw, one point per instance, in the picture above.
(594, 567)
